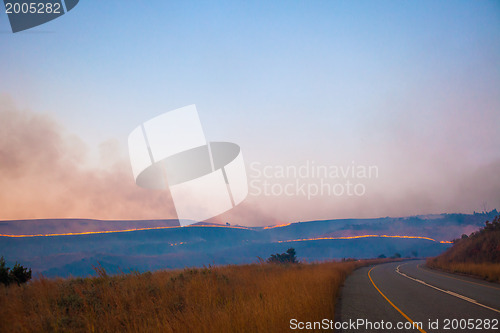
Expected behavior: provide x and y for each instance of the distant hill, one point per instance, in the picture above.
(60, 226)
(437, 226)
(163, 244)
(477, 254)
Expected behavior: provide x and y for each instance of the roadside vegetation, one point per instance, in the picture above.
(477, 254)
(245, 298)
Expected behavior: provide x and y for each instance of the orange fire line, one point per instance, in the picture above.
(219, 226)
(277, 226)
(357, 237)
(119, 231)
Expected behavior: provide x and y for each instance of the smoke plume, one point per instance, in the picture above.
(45, 173)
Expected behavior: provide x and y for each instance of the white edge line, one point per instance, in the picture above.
(470, 300)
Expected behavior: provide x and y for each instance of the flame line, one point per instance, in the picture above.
(278, 226)
(358, 237)
(119, 231)
(221, 226)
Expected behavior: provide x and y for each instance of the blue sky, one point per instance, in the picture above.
(412, 87)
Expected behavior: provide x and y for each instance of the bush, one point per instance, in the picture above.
(289, 257)
(4, 272)
(18, 274)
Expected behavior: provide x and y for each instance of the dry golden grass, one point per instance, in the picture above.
(248, 298)
(486, 271)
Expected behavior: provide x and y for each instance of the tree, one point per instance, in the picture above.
(492, 226)
(396, 255)
(18, 274)
(289, 257)
(4, 272)
(292, 255)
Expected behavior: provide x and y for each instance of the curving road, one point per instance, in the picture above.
(408, 294)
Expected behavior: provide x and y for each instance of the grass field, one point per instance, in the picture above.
(486, 271)
(247, 298)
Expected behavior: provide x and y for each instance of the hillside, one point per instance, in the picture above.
(71, 246)
(477, 254)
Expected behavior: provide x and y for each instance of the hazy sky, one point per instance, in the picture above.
(412, 87)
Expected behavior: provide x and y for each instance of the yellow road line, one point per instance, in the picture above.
(394, 306)
(454, 278)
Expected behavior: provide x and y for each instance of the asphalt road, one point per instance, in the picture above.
(404, 292)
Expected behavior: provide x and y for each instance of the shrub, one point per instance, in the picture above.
(18, 274)
(4, 272)
(289, 257)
